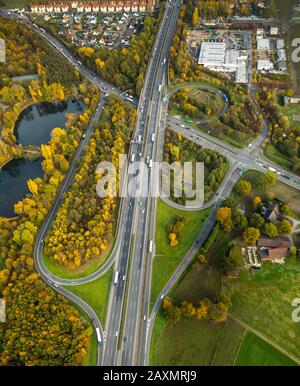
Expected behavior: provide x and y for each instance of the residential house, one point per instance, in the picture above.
(150, 5)
(34, 9)
(103, 6)
(80, 7)
(74, 4)
(134, 6)
(49, 8)
(65, 8)
(96, 7)
(143, 6)
(119, 5)
(57, 8)
(275, 250)
(111, 6)
(42, 8)
(272, 213)
(88, 7)
(127, 6)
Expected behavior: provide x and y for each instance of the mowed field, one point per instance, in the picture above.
(198, 343)
(167, 258)
(263, 300)
(16, 3)
(256, 352)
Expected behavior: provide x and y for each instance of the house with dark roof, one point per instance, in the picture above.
(272, 213)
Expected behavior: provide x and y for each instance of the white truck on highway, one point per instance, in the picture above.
(132, 157)
(151, 246)
(153, 137)
(98, 336)
(116, 278)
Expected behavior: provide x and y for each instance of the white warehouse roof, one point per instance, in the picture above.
(264, 65)
(212, 53)
(263, 44)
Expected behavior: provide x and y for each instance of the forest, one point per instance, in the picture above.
(283, 135)
(28, 54)
(178, 148)
(42, 327)
(83, 228)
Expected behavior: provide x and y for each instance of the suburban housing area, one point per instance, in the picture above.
(149, 183)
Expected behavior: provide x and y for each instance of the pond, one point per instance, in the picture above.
(13, 183)
(36, 122)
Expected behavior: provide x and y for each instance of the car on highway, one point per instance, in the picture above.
(116, 333)
(162, 296)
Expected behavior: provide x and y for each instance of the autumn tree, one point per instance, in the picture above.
(251, 235)
(224, 219)
(243, 188)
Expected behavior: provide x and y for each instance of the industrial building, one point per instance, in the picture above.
(215, 56)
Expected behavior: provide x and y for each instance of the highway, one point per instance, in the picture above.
(121, 343)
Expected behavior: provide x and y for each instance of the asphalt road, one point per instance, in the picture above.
(125, 297)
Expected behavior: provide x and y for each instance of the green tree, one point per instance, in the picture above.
(257, 221)
(243, 188)
(271, 230)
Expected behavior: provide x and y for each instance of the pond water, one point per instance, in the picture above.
(13, 183)
(36, 122)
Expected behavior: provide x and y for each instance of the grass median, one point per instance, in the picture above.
(95, 293)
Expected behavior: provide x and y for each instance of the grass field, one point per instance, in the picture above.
(280, 191)
(293, 112)
(256, 352)
(167, 258)
(16, 3)
(275, 156)
(95, 293)
(83, 271)
(263, 301)
(296, 239)
(199, 343)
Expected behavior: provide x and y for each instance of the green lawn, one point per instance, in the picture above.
(263, 301)
(83, 271)
(280, 191)
(296, 239)
(195, 343)
(167, 258)
(256, 352)
(275, 156)
(291, 111)
(16, 3)
(95, 293)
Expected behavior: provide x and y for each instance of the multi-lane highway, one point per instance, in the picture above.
(124, 313)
